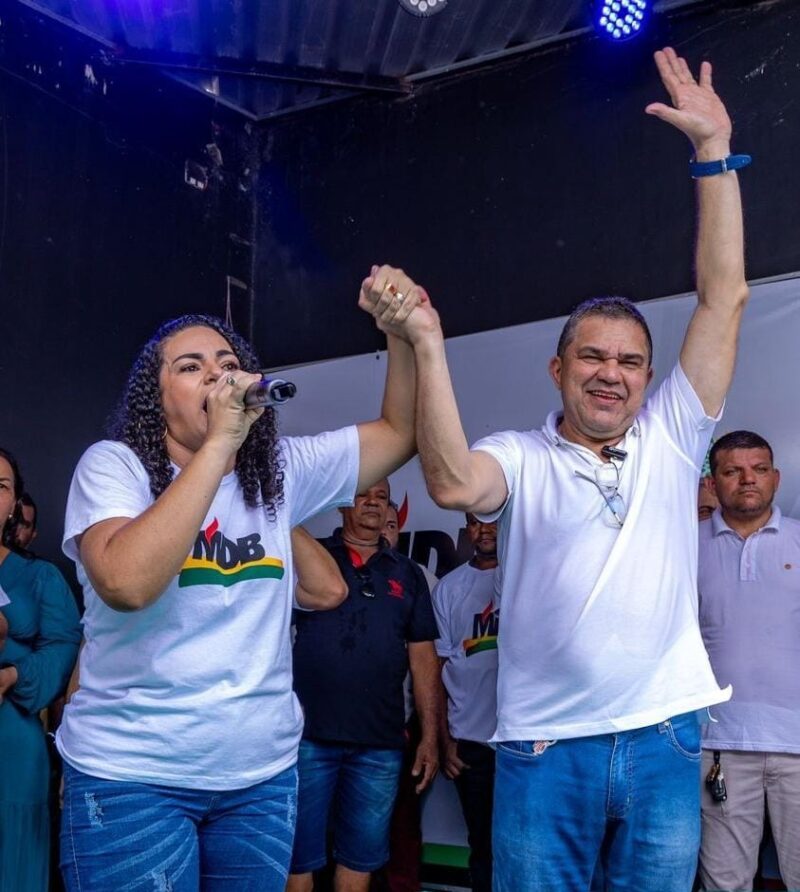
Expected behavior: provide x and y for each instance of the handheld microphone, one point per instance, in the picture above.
(268, 392)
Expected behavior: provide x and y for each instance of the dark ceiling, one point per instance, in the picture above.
(266, 58)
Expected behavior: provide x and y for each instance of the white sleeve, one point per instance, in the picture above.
(678, 408)
(109, 481)
(321, 472)
(445, 646)
(506, 451)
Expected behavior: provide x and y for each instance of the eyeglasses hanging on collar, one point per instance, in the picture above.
(606, 479)
(364, 577)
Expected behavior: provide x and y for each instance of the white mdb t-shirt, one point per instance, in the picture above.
(600, 631)
(467, 616)
(195, 690)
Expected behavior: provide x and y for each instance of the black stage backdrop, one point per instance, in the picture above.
(512, 193)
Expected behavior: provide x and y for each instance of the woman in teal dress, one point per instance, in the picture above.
(35, 664)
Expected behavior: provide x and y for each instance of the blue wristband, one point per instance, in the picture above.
(712, 168)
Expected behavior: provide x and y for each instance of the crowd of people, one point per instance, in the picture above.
(240, 714)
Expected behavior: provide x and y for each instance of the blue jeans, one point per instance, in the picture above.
(126, 837)
(622, 808)
(361, 784)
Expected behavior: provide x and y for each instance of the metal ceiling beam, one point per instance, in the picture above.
(226, 65)
(66, 22)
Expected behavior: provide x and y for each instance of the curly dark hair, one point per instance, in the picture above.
(10, 529)
(139, 419)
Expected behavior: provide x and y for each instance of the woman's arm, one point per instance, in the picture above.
(33, 681)
(131, 561)
(320, 585)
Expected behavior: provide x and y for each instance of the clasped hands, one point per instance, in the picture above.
(400, 306)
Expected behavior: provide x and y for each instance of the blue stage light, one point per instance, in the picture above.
(621, 19)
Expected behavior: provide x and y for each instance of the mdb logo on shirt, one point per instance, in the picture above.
(217, 560)
(484, 631)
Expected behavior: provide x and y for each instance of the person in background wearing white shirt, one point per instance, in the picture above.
(749, 587)
(180, 747)
(467, 614)
(601, 662)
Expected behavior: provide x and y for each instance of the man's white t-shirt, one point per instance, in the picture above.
(467, 617)
(196, 689)
(600, 631)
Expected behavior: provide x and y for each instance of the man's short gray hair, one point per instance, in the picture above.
(609, 308)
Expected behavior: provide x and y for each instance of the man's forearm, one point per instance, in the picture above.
(720, 236)
(443, 448)
(425, 675)
(709, 351)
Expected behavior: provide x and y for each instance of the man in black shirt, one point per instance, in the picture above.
(349, 666)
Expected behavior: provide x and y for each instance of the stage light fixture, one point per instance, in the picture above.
(621, 19)
(423, 7)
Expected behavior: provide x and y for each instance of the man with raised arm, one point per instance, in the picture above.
(602, 665)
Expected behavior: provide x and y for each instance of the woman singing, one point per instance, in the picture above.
(180, 745)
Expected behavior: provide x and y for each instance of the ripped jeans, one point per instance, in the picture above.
(126, 837)
(615, 812)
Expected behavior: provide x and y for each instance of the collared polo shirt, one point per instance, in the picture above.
(350, 662)
(750, 620)
(599, 630)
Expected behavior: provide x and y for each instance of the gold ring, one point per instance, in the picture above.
(392, 289)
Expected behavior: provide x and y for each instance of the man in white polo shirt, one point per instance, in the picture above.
(601, 662)
(749, 585)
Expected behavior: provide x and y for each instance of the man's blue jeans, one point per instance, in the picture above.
(129, 837)
(622, 808)
(354, 786)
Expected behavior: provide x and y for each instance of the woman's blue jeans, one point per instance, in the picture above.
(129, 837)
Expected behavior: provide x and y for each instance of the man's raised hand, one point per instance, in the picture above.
(696, 109)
